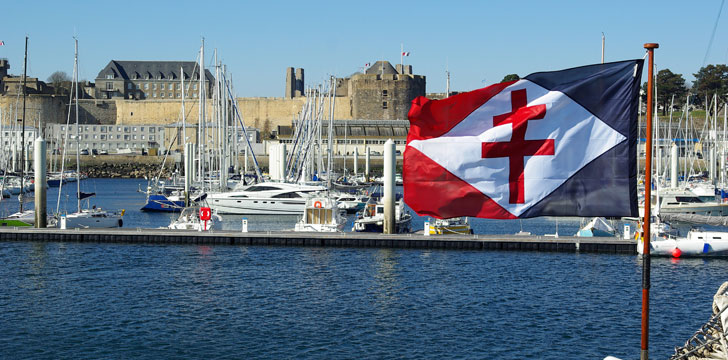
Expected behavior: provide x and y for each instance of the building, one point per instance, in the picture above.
(382, 92)
(151, 80)
(357, 134)
(106, 137)
(13, 85)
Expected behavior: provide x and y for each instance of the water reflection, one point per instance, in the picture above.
(387, 283)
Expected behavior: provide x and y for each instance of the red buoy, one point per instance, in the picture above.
(676, 253)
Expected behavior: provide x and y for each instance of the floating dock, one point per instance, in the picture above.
(540, 243)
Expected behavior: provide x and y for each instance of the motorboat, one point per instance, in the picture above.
(321, 214)
(696, 243)
(25, 218)
(371, 219)
(351, 203)
(189, 219)
(682, 201)
(456, 225)
(268, 198)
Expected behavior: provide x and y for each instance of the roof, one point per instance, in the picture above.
(165, 70)
(381, 67)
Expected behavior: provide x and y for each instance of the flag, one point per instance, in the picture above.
(2, 43)
(559, 143)
(405, 53)
(366, 65)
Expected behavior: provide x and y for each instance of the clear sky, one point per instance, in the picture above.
(480, 41)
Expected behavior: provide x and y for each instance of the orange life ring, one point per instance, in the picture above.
(317, 204)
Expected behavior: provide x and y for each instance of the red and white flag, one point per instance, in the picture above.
(2, 43)
(366, 65)
(405, 53)
(559, 143)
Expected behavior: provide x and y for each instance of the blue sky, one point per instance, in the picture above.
(480, 41)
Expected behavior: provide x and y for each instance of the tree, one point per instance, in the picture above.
(510, 77)
(60, 81)
(711, 79)
(669, 85)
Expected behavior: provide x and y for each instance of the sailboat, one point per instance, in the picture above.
(85, 217)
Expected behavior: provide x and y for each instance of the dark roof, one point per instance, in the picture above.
(381, 67)
(166, 70)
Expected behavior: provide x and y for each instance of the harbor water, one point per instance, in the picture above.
(86, 300)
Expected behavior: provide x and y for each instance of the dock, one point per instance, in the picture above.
(540, 243)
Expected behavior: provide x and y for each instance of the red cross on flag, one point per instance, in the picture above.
(557, 143)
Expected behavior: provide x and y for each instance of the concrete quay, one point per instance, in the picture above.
(541, 243)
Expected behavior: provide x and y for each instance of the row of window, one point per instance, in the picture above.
(104, 128)
(111, 137)
(162, 86)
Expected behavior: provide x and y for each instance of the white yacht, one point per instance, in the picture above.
(189, 219)
(321, 214)
(687, 202)
(371, 219)
(268, 198)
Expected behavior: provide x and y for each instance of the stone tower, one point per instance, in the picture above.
(384, 93)
(294, 83)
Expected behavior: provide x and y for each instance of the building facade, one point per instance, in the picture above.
(154, 80)
(106, 137)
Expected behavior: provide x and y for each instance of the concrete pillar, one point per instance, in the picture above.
(673, 166)
(39, 158)
(389, 198)
(189, 170)
(356, 161)
(366, 164)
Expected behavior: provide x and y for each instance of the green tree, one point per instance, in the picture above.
(709, 80)
(669, 85)
(510, 77)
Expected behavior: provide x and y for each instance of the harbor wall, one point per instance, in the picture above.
(262, 113)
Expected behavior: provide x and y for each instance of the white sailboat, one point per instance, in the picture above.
(89, 217)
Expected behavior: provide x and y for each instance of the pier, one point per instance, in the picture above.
(541, 243)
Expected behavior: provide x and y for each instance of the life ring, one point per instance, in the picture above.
(317, 204)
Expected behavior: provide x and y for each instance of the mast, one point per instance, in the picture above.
(201, 119)
(644, 349)
(332, 98)
(78, 142)
(184, 138)
(22, 130)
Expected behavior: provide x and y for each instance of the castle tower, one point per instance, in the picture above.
(290, 84)
(300, 89)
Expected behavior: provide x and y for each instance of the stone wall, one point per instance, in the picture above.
(49, 108)
(371, 92)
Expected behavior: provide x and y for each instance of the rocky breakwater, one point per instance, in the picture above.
(122, 166)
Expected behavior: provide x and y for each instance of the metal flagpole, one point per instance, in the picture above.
(646, 223)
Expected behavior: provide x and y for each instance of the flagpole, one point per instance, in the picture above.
(646, 223)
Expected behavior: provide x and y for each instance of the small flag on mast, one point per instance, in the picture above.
(2, 43)
(405, 53)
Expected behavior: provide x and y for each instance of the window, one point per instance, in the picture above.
(126, 137)
(176, 86)
(194, 87)
(126, 129)
(63, 128)
(118, 128)
(194, 94)
(142, 137)
(146, 86)
(93, 128)
(134, 129)
(118, 137)
(154, 95)
(161, 86)
(154, 86)
(109, 76)
(151, 129)
(129, 86)
(162, 95)
(170, 94)
(141, 128)
(134, 137)
(103, 129)
(151, 137)
(160, 129)
(384, 104)
(178, 95)
(109, 86)
(384, 93)
(103, 137)
(86, 128)
(96, 137)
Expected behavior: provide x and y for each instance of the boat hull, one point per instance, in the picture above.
(161, 203)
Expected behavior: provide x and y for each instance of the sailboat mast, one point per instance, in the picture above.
(78, 142)
(22, 130)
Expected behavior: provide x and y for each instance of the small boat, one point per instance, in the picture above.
(26, 218)
(189, 219)
(597, 227)
(321, 214)
(371, 219)
(351, 203)
(697, 243)
(456, 225)
(92, 218)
